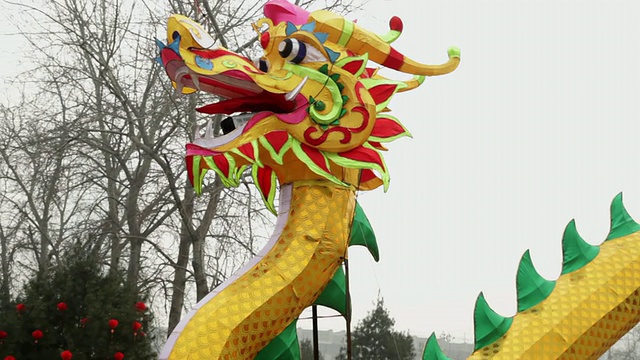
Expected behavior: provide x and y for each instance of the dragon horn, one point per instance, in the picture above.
(349, 35)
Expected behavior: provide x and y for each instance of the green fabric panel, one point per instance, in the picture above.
(362, 233)
(432, 350)
(283, 347)
(576, 252)
(488, 325)
(531, 287)
(334, 296)
(621, 222)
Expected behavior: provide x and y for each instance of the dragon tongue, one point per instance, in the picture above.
(261, 102)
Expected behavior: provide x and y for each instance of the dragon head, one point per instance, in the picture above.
(308, 109)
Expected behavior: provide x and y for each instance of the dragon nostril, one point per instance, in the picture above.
(227, 125)
(175, 35)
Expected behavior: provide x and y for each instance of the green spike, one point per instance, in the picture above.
(488, 325)
(343, 112)
(282, 347)
(335, 77)
(576, 252)
(432, 349)
(345, 98)
(362, 233)
(340, 86)
(621, 222)
(334, 295)
(324, 69)
(531, 287)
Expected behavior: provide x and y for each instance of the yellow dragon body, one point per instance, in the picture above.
(309, 115)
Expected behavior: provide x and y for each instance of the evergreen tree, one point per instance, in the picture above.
(375, 339)
(80, 309)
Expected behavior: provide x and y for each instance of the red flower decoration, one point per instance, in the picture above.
(136, 326)
(66, 355)
(3, 334)
(62, 306)
(37, 335)
(20, 308)
(118, 356)
(140, 306)
(9, 357)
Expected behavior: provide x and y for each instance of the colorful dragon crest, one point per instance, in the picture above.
(310, 115)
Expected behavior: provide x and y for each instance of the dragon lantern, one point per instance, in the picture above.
(310, 115)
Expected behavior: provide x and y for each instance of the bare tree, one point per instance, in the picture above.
(93, 154)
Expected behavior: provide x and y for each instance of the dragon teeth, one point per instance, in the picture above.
(293, 93)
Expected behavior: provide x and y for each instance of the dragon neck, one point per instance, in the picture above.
(260, 300)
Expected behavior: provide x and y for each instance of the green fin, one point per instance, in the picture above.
(334, 296)
(531, 287)
(432, 349)
(488, 325)
(362, 233)
(576, 252)
(283, 347)
(621, 222)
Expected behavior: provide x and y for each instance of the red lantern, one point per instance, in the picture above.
(118, 356)
(140, 306)
(83, 321)
(136, 326)
(66, 355)
(37, 335)
(9, 357)
(20, 308)
(62, 306)
(113, 324)
(3, 334)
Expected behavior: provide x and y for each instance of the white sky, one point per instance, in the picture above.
(536, 127)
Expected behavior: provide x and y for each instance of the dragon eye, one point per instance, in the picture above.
(293, 50)
(298, 52)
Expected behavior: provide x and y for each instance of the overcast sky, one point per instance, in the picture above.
(536, 127)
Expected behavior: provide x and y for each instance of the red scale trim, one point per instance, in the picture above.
(264, 180)
(380, 93)
(222, 163)
(385, 128)
(363, 154)
(247, 150)
(316, 156)
(366, 175)
(353, 66)
(277, 139)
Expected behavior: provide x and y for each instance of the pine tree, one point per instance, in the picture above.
(375, 339)
(75, 308)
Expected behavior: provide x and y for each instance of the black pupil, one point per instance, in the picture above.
(227, 125)
(175, 35)
(263, 66)
(288, 46)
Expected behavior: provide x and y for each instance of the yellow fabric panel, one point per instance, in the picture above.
(244, 317)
